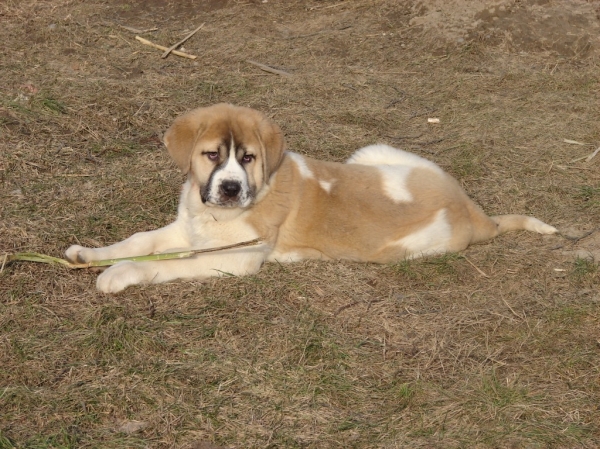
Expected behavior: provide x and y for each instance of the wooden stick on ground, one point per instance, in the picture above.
(138, 31)
(593, 155)
(269, 69)
(160, 47)
(476, 267)
(175, 46)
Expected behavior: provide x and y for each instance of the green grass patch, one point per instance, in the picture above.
(466, 164)
(584, 269)
(589, 196)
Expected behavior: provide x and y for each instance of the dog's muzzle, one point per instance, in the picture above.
(230, 189)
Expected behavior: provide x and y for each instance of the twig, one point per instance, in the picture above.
(587, 157)
(593, 155)
(476, 267)
(138, 31)
(416, 136)
(43, 258)
(344, 307)
(174, 46)
(576, 239)
(564, 167)
(160, 47)
(344, 27)
(511, 309)
(269, 69)
(394, 102)
(574, 142)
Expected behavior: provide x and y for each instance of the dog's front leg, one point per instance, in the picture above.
(139, 244)
(237, 262)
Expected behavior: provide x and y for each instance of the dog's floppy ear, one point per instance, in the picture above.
(273, 143)
(181, 137)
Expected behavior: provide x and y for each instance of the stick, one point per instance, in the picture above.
(137, 31)
(575, 239)
(344, 307)
(476, 267)
(42, 258)
(511, 309)
(174, 46)
(574, 142)
(160, 47)
(269, 69)
(593, 155)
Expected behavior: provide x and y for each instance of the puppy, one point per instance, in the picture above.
(383, 205)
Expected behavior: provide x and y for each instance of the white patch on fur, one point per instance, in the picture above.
(432, 239)
(305, 172)
(394, 182)
(395, 166)
(326, 185)
(231, 171)
(386, 155)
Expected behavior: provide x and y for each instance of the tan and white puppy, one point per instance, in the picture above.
(383, 205)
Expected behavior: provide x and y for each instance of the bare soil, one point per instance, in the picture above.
(495, 347)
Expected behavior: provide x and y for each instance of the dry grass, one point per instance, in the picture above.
(427, 353)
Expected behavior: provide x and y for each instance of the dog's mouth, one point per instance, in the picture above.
(226, 203)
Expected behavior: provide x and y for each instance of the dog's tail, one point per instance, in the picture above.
(507, 223)
(485, 228)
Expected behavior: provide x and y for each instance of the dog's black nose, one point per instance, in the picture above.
(230, 189)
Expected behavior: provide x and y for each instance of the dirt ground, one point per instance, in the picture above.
(497, 347)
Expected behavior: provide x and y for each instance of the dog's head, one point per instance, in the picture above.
(230, 152)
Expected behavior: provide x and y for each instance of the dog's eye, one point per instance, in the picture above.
(213, 155)
(247, 158)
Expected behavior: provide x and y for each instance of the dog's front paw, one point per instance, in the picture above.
(80, 254)
(120, 276)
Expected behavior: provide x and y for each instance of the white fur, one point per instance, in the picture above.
(305, 172)
(535, 225)
(432, 239)
(381, 154)
(394, 179)
(326, 185)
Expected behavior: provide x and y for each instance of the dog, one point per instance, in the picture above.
(382, 205)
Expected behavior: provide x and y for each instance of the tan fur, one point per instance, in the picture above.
(384, 205)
